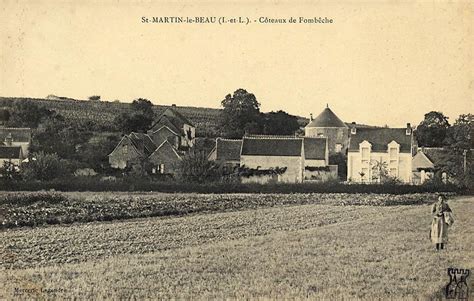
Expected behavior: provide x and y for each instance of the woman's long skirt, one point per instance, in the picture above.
(439, 231)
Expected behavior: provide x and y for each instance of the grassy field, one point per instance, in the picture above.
(318, 251)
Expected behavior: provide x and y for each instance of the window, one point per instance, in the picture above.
(393, 153)
(153, 170)
(125, 149)
(364, 175)
(365, 153)
(162, 168)
(338, 147)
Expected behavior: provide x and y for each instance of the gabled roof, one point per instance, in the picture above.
(163, 146)
(10, 152)
(314, 148)
(173, 119)
(421, 161)
(272, 146)
(380, 138)
(228, 149)
(327, 118)
(141, 139)
(18, 134)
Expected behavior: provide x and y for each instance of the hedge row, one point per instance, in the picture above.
(94, 184)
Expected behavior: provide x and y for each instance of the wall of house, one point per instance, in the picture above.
(266, 179)
(186, 141)
(321, 175)
(293, 174)
(166, 156)
(334, 135)
(122, 154)
(355, 166)
(164, 134)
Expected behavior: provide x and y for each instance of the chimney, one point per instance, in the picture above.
(9, 140)
(353, 128)
(173, 105)
(408, 130)
(310, 116)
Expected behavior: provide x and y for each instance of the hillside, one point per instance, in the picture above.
(102, 113)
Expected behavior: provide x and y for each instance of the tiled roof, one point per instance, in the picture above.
(380, 138)
(315, 148)
(227, 149)
(173, 119)
(10, 152)
(18, 134)
(421, 161)
(327, 118)
(272, 146)
(141, 139)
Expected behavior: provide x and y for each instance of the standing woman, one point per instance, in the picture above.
(442, 218)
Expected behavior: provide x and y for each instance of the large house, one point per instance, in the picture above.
(161, 147)
(375, 151)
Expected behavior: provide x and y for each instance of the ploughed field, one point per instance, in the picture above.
(317, 246)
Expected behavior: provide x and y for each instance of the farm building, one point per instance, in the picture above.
(294, 159)
(173, 127)
(161, 147)
(327, 124)
(376, 150)
(16, 137)
(226, 152)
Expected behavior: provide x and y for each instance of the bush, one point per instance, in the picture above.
(43, 167)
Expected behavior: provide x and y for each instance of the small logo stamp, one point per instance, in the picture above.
(457, 287)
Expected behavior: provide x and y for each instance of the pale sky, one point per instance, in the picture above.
(385, 62)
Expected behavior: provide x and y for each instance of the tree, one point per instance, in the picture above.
(241, 112)
(94, 98)
(27, 114)
(144, 106)
(431, 132)
(94, 154)
(135, 122)
(44, 167)
(59, 137)
(280, 123)
(195, 167)
(458, 162)
(140, 119)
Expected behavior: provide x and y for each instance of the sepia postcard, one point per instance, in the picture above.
(236, 150)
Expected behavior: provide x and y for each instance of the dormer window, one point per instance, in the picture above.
(365, 149)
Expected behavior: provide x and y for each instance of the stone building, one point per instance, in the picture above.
(327, 124)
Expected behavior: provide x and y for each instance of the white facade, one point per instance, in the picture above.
(364, 166)
(295, 166)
